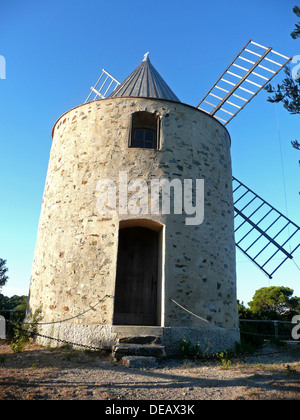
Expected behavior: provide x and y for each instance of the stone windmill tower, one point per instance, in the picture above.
(136, 269)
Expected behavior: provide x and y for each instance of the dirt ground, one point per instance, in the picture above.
(38, 373)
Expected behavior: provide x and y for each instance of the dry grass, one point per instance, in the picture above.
(63, 374)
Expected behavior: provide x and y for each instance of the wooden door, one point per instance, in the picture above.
(137, 275)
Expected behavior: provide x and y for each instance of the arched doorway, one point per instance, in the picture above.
(137, 279)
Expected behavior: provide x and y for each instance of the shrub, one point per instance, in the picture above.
(190, 351)
(23, 333)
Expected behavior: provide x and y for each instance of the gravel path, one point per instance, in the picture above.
(63, 374)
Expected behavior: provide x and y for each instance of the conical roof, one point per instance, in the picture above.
(146, 82)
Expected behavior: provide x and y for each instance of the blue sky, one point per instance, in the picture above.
(54, 52)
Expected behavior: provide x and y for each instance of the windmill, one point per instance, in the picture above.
(262, 232)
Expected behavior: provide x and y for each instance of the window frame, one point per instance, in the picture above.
(137, 123)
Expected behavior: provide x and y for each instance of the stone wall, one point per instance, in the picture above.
(76, 252)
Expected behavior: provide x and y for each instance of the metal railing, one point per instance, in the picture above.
(267, 329)
(9, 314)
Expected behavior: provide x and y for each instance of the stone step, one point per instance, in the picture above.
(151, 350)
(141, 339)
(139, 362)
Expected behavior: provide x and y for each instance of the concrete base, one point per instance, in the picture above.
(211, 340)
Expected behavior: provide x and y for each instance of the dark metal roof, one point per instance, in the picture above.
(145, 82)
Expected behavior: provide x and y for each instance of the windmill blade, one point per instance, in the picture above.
(104, 86)
(243, 79)
(262, 233)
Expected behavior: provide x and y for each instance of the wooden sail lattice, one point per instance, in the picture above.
(262, 233)
(251, 70)
(104, 86)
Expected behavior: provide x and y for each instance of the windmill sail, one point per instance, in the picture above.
(104, 86)
(250, 71)
(262, 233)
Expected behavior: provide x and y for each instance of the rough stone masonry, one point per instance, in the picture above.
(76, 251)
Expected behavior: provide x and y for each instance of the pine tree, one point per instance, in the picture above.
(288, 92)
(3, 270)
(296, 32)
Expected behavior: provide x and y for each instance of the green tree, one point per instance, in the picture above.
(296, 32)
(14, 302)
(244, 313)
(21, 303)
(3, 271)
(275, 301)
(288, 92)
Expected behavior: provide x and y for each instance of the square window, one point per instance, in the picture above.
(149, 135)
(144, 130)
(149, 145)
(144, 138)
(138, 135)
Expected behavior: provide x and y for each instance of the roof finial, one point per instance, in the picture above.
(146, 58)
